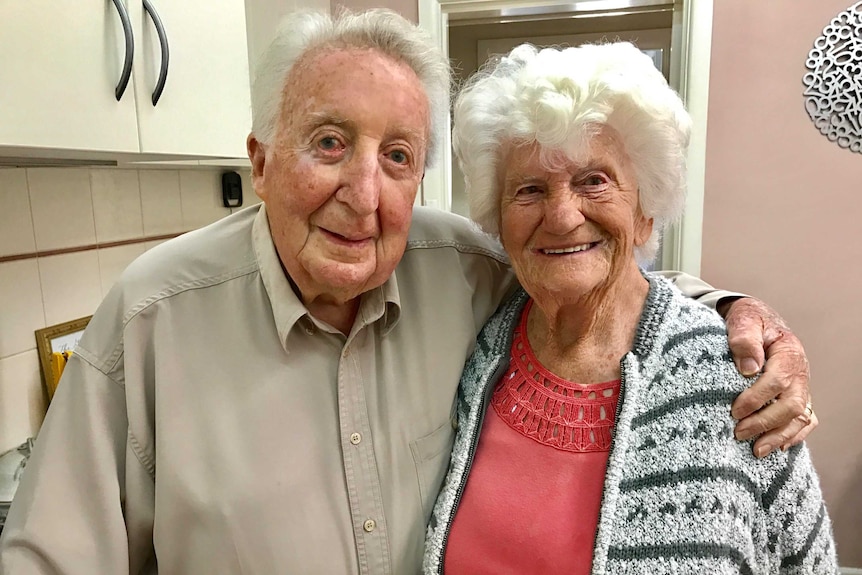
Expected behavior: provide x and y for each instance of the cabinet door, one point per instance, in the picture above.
(60, 61)
(205, 107)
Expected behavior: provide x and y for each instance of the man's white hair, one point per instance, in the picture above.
(560, 98)
(307, 32)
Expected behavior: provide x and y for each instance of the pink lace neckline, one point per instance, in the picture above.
(549, 409)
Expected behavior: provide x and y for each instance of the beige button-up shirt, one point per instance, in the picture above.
(208, 424)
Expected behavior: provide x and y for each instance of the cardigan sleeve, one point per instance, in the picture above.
(799, 525)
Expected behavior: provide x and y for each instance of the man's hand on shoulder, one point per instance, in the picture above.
(777, 407)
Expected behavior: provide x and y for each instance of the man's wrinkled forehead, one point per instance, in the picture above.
(314, 66)
(314, 76)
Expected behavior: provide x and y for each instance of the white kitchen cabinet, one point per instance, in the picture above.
(205, 107)
(60, 61)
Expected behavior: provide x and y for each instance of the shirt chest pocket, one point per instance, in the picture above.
(431, 457)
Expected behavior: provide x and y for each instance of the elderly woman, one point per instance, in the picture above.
(595, 430)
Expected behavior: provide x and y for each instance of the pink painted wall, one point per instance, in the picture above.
(782, 214)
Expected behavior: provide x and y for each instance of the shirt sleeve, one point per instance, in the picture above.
(68, 514)
(698, 289)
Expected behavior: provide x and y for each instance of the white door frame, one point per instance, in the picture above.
(690, 57)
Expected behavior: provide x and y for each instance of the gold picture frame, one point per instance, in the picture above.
(54, 344)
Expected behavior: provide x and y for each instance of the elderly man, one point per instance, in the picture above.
(274, 393)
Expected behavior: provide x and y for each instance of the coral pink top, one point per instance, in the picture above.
(531, 504)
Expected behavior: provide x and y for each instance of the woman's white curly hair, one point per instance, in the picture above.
(560, 98)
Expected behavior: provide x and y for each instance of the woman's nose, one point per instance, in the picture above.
(563, 213)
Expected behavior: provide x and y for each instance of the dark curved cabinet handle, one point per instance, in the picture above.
(163, 41)
(130, 49)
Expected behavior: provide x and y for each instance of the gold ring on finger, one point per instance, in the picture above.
(809, 411)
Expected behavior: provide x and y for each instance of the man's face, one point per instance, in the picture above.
(341, 175)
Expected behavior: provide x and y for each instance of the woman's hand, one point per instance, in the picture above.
(777, 407)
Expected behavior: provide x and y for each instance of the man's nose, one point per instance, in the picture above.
(360, 187)
(563, 212)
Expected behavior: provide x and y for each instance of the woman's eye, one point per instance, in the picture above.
(594, 181)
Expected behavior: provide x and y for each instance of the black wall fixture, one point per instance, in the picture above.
(231, 189)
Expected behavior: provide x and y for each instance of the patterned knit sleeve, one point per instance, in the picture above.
(800, 532)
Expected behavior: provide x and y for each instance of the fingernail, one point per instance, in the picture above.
(763, 450)
(748, 366)
(743, 434)
(785, 447)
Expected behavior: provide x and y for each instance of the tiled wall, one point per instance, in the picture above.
(53, 208)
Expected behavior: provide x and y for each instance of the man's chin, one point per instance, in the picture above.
(351, 280)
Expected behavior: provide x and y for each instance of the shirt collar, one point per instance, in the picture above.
(382, 303)
(387, 303)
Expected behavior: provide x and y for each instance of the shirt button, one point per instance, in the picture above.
(355, 438)
(369, 525)
(308, 325)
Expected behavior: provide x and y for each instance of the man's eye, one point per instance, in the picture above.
(328, 143)
(399, 157)
(528, 191)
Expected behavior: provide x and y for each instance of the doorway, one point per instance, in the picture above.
(681, 29)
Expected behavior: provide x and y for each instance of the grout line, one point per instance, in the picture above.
(92, 205)
(85, 248)
(95, 232)
(17, 353)
(36, 245)
(180, 190)
(30, 206)
(141, 201)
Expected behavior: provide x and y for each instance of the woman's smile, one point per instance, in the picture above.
(567, 250)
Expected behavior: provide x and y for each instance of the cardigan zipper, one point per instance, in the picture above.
(619, 408)
(474, 441)
(617, 412)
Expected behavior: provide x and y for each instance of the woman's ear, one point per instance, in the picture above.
(643, 228)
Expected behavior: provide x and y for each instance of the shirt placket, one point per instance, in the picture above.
(360, 466)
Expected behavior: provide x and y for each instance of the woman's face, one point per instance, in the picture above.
(572, 229)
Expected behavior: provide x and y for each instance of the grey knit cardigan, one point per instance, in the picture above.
(681, 494)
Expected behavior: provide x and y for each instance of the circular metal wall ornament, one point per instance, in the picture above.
(833, 84)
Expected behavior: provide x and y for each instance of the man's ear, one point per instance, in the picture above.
(257, 156)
